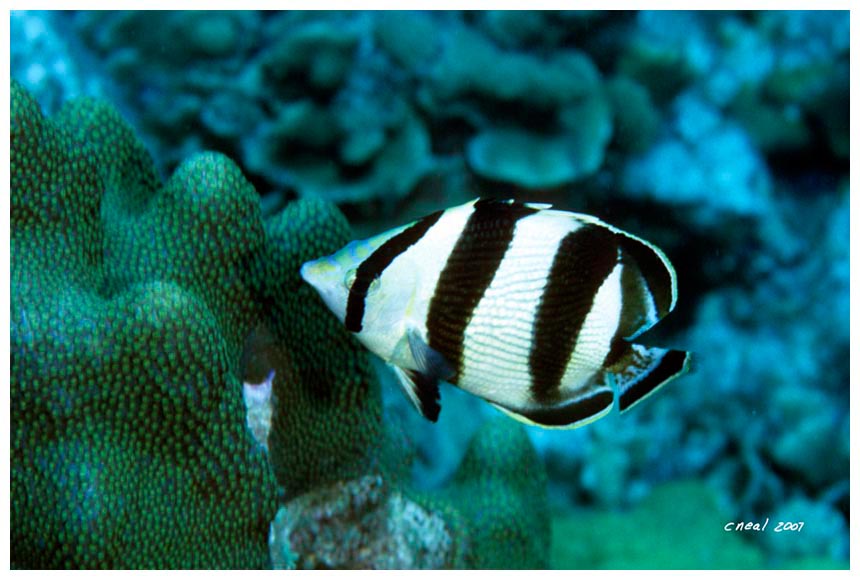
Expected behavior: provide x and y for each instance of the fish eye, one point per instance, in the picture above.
(349, 279)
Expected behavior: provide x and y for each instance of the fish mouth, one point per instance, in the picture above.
(326, 278)
(307, 271)
(316, 272)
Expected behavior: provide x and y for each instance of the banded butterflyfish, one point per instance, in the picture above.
(532, 309)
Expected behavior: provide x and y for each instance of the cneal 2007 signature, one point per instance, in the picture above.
(760, 527)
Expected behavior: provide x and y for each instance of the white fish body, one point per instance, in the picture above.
(527, 307)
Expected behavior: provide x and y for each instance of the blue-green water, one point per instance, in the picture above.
(721, 137)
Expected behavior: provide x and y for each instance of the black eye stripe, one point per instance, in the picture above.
(364, 288)
(373, 266)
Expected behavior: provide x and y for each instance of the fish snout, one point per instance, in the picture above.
(318, 273)
(326, 277)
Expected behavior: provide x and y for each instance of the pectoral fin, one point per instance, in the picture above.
(422, 390)
(428, 361)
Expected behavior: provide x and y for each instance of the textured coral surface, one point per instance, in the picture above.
(138, 311)
(129, 446)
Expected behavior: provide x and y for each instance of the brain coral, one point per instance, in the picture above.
(129, 304)
(138, 308)
(494, 514)
(327, 420)
(499, 494)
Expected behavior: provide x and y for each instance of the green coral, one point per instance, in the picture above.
(498, 500)
(327, 422)
(138, 308)
(328, 426)
(501, 489)
(130, 302)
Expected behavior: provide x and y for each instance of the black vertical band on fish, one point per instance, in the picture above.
(657, 277)
(672, 363)
(427, 391)
(372, 267)
(467, 274)
(635, 298)
(583, 261)
(572, 411)
(618, 348)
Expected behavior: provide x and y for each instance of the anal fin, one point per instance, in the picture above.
(422, 390)
(581, 408)
(641, 371)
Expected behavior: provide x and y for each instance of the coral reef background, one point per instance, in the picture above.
(275, 137)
